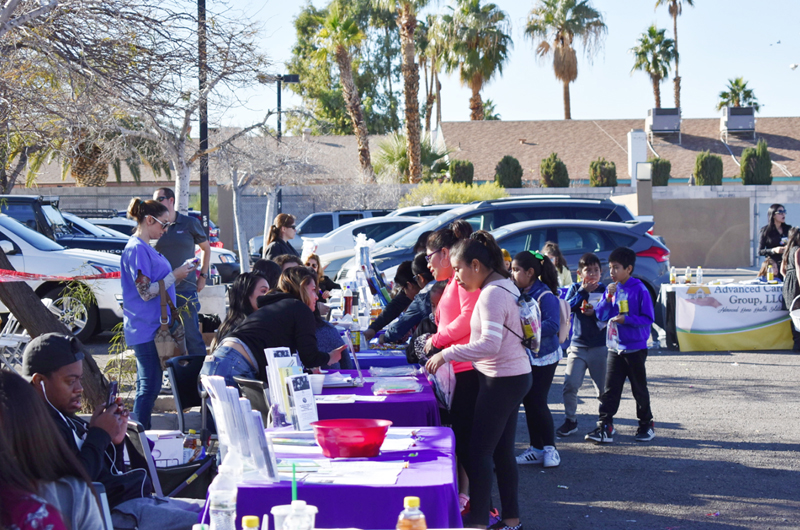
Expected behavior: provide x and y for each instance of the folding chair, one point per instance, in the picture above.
(183, 373)
(138, 441)
(104, 508)
(258, 394)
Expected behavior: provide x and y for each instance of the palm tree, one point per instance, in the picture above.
(392, 161)
(337, 36)
(738, 95)
(407, 24)
(430, 43)
(554, 25)
(489, 111)
(653, 55)
(675, 8)
(479, 45)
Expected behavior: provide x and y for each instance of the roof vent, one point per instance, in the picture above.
(306, 133)
(737, 120)
(663, 121)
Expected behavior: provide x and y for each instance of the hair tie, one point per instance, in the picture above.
(538, 255)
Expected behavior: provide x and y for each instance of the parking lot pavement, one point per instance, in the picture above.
(727, 442)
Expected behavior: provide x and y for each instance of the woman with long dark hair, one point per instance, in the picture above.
(142, 268)
(791, 285)
(282, 230)
(284, 319)
(503, 371)
(535, 275)
(552, 251)
(773, 237)
(37, 462)
(453, 314)
(242, 301)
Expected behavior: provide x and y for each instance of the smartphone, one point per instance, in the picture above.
(194, 262)
(113, 389)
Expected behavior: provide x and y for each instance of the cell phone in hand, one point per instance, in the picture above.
(113, 390)
(192, 262)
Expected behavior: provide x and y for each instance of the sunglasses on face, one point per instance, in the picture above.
(291, 227)
(161, 198)
(164, 226)
(781, 211)
(429, 257)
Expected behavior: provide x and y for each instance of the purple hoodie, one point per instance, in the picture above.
(634, 332)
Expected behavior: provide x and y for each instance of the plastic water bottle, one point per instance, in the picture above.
(699, 276)
(411, 518)
(298, 518)
(222, 500)
(688, 275)
(673, 276)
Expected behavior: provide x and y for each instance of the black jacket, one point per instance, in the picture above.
(281, 321)
(770, 239)
(97, 454)
(279, 247)
(398, 304)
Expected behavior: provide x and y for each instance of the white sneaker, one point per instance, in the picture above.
(531, 456)
(550, 456)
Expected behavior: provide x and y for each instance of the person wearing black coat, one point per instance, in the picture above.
(282, 230)
(772, 237)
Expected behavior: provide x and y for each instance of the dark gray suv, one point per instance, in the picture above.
(490, 215)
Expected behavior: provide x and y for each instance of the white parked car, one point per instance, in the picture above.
(343, 238)
(31, 252)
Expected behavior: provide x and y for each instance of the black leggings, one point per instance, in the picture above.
(462, 413)
(537, 413)
(492, 444)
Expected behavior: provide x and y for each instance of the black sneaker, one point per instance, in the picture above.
(500, 525)
(569, 427)
(645, 433)
(603, 434)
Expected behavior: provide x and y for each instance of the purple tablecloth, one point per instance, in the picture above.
(404, 410)
(431, 476)
(370, 358)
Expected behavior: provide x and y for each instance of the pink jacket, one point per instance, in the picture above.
(452, 317)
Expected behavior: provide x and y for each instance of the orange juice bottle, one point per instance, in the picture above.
(411, 518)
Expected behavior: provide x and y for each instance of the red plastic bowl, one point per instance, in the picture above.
(350, 438)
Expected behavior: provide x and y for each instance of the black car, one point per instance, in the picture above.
(43, 215)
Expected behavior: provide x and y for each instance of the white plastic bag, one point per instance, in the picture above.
(612, 336)
(444, 384)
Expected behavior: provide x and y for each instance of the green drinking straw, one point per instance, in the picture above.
(294, 482)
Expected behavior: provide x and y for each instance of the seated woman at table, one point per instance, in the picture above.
(284, 319)
(404, 280)
(504, 376)
(242, 296)
(420, 307)
(791, 286)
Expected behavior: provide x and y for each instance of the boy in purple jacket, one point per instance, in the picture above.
(627, 303)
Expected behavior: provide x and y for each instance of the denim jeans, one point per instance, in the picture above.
(148, 381)
(228, 363)
(191, 323)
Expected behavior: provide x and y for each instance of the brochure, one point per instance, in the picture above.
(301, 402)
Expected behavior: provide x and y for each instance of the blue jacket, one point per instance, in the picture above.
(633, 334)
(551, 318)
(585, 332)
(419, 309)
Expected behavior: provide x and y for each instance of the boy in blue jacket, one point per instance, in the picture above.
(587, 349)
(626, 303)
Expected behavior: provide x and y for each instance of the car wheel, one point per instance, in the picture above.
(80, 318)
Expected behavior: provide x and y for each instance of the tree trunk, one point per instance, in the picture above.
(241, 236)
(438, 100)
(476, 105)
(353, 102)
(20, 299)
(407, 23)
(431, 99)
(567, 108)
(183, 179)
(677, 73)
(88, 168)
(657, 91)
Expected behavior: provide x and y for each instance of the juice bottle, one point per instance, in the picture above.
(673, 276)
(411, 518)
(770, 274)
(348, 300)
(622, 300)
(688, 275)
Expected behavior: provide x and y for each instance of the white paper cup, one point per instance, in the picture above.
(279, 514)
(317, 381)
(363, 323)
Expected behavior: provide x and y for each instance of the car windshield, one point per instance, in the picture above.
(389, 241)
(86, 226)
(410, 238)
(55, 218)
(35, 239)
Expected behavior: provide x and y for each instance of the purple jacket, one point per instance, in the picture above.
(634, 332)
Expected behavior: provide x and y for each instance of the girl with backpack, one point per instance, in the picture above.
(535, 274)
(503, 371)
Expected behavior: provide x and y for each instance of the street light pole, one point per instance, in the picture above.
(203, 111)
(286, 78)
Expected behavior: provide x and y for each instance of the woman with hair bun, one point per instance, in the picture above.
(453, 315)
(503, 371)
(282, 230)
(536, 275)
(142, 268)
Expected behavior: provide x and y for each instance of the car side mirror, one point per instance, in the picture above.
(8, 247)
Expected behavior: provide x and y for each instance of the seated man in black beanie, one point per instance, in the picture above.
(53, 363)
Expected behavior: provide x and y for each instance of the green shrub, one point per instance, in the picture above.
(461, 171)
(554, 172)
(213, 206)
(660, 171)
(602, 173)
(451, 193)
(708, 169)
(756, 165)
(508, 172)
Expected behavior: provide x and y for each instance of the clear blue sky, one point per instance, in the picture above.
(718, 40)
